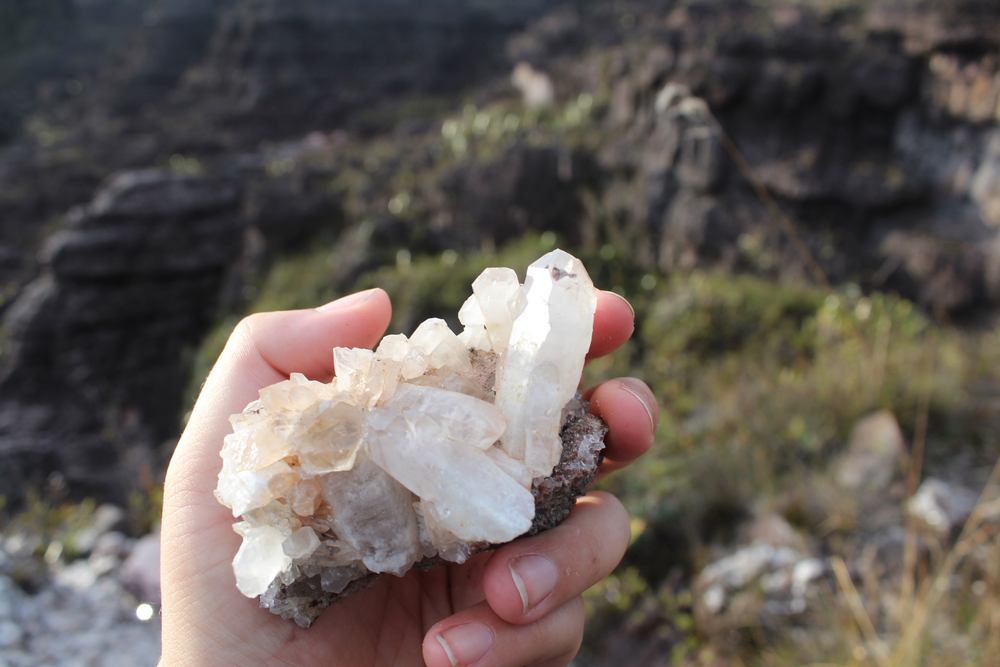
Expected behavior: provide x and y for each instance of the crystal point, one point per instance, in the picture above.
(548, 344)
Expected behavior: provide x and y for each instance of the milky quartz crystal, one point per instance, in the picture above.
(427, 449)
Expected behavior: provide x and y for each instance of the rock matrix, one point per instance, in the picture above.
(427, 449)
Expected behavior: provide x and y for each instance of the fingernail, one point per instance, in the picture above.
(347, 301)
(626, 303)
(535, 578)
(649, 409)
(466, 644)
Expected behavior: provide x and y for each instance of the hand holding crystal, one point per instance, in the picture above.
(517, 605)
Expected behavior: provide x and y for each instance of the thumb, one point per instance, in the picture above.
(264, 348)
(267, 347)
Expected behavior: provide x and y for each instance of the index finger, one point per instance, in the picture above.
(614, 322)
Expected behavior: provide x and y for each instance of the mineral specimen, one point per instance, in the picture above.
(425, 450)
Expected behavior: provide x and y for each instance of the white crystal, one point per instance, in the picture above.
(443, 348)
(475, 337)
(259, 560)
(353, 367)
(335, 579)
(500, 300)
(393, 347)
(459, 484)
(300, 544)
(426, 447)
(464, 419)
(471, 314)
(519, 472)
(303, 496)
(544, 360)
(253, 448)
(439, 541)
(374, 514)
(328, 436)
(249, 489)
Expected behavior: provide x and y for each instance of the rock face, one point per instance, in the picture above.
(879, 148)
(426, 450)
(526, 189)
(93, 369)
(324, 56)
(875, 128)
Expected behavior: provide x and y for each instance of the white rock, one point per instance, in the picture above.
(141, 570)
(941, 506)
(10, 634)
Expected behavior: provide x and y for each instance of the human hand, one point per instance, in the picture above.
(517, 605)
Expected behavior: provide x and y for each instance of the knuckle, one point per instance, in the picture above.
(248, 329)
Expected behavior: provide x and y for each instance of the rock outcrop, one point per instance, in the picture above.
(874, 132)
(875, 129)
(94, 360)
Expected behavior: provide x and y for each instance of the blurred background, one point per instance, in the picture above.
(800, 198)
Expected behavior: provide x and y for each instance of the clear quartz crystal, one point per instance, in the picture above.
(260, 559)
(300, 544)
(459, 484)
(425, 447)
(544, 359)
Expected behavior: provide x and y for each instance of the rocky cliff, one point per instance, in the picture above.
(194, 140)
(93, 369)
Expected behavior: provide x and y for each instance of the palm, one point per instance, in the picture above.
(394, 616)
(383, 625)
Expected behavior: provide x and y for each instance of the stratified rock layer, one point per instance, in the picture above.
(426, 450)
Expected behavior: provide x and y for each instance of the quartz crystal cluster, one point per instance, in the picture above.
(427, 449)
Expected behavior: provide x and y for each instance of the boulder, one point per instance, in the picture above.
(942, 507)
(873, 455)
(758, 585)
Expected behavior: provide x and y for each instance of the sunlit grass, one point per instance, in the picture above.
(759, 382)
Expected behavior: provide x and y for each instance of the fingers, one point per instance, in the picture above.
(531, 577)
(533, 613)
(614, 322)
(357, 320)
(630, 410)
(478, 636)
